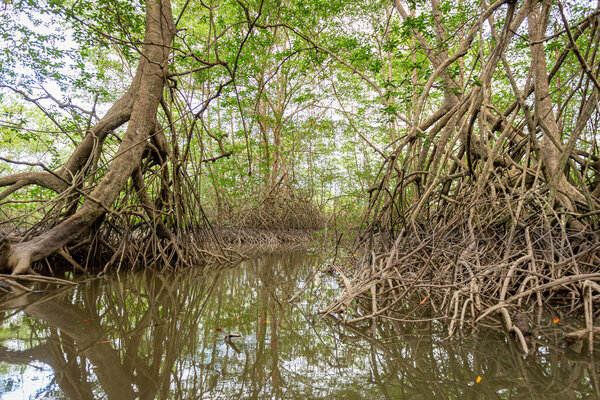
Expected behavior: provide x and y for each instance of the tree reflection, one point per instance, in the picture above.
(416, 360)
(148, 335)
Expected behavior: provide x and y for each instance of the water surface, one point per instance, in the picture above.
(148, 335)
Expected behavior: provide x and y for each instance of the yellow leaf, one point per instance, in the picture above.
(556, 320)
(478, 379)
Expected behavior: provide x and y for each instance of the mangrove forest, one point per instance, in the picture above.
(299, 199)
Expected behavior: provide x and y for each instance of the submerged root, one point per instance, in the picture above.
(248, 239)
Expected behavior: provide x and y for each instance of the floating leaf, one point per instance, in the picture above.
(556, 320)
(478, 379)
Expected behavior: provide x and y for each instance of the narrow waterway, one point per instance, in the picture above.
(175, 336)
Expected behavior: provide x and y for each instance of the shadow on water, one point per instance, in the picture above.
(170, 336)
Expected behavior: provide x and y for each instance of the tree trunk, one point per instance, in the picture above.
(560, 189)
(145, 94)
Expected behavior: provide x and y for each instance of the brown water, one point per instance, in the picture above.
(148, 335)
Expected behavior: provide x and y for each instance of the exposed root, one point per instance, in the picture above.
(579, 334)
(282, 211)
(470, 272)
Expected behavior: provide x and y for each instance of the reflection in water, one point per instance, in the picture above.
(170, 336)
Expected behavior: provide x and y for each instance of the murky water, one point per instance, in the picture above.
(147, 335)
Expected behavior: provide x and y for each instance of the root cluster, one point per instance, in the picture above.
(467, 271)
(282, 211)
